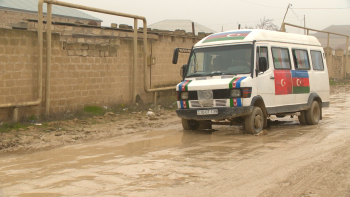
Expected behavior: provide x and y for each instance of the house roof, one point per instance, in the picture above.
(342, 46)
(340, 29)
(32, 6)
(334, 40)
(172, 25)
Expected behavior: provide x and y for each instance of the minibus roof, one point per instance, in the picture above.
(249, 35)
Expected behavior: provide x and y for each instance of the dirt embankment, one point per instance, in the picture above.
(75, 131)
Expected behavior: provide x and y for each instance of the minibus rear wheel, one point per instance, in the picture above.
(313, 115)
(190, 124)
(254, 123)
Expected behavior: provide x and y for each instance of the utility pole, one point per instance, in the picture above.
(289, 5)
(304, 26)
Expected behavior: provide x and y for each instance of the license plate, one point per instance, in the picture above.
(207, 112)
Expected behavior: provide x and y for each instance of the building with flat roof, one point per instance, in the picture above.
(172, 25)
(15, 13)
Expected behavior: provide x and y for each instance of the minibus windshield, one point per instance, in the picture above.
(222, 60)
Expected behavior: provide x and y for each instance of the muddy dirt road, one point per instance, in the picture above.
(291, 160)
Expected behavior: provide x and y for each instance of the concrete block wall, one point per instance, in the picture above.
(10, 18)
(336, 63)
(18, 67)
(90, 66)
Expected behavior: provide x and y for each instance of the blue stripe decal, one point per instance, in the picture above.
(180, 85)
(300, 74)
(182, 105)
(238, 84)
(239, 102)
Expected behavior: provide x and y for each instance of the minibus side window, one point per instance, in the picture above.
(262, 52)
(301, 59)
(281, 58)
(316, 58)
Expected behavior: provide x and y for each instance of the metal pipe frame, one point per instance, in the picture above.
(346, 48)
(39, 72)
(135, 17)
(148, 90)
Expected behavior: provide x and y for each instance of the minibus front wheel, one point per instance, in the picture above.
(254, 122)
(190, 124)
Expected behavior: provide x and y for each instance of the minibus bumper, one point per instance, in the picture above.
(223, 112)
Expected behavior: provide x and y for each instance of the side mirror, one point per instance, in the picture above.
(262, 64)
(183, 70)
(175, 55)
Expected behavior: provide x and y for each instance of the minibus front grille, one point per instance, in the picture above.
(217, 94)
(220, 103)
(195, 104)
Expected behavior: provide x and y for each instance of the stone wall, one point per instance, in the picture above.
(90, 66)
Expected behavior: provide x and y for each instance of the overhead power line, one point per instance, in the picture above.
(321, 8)
(297, 8)
(256, 21)
(262, 5)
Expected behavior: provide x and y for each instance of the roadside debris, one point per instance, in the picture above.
(151, 115)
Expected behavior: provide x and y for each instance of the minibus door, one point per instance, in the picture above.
(265, 85)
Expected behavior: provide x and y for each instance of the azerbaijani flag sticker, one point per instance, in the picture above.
(300, 81)
(233, 35)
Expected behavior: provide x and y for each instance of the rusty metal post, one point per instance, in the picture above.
(146, 77)
(15, 114)
(155, 99)
(328, 53)
(134, 63)
(346, 57)
(283, 28)
(285, 18)
(193, 30)
(48, 59)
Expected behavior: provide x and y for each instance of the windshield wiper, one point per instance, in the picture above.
(229, 73)
(195, 75)
(217, 73)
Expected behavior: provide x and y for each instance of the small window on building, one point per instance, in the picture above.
(281, 58)
(301, 59)
(317, 62)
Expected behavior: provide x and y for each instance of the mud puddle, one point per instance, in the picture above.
(291, 160)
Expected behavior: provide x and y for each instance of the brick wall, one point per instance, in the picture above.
(90, 66)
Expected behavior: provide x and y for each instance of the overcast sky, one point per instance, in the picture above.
(226, 14)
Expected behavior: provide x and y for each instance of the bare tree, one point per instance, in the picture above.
(267, 24)
(264, 24)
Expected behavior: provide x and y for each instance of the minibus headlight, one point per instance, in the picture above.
(184, 95)
(235, 93)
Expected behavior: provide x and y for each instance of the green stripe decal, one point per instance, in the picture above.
(186, 87)
(301, 89)
(225, 38)
(231, 102)
(187, 104)
(230, 85)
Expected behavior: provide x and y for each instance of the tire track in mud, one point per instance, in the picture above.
(328, 177)
(313, 162)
